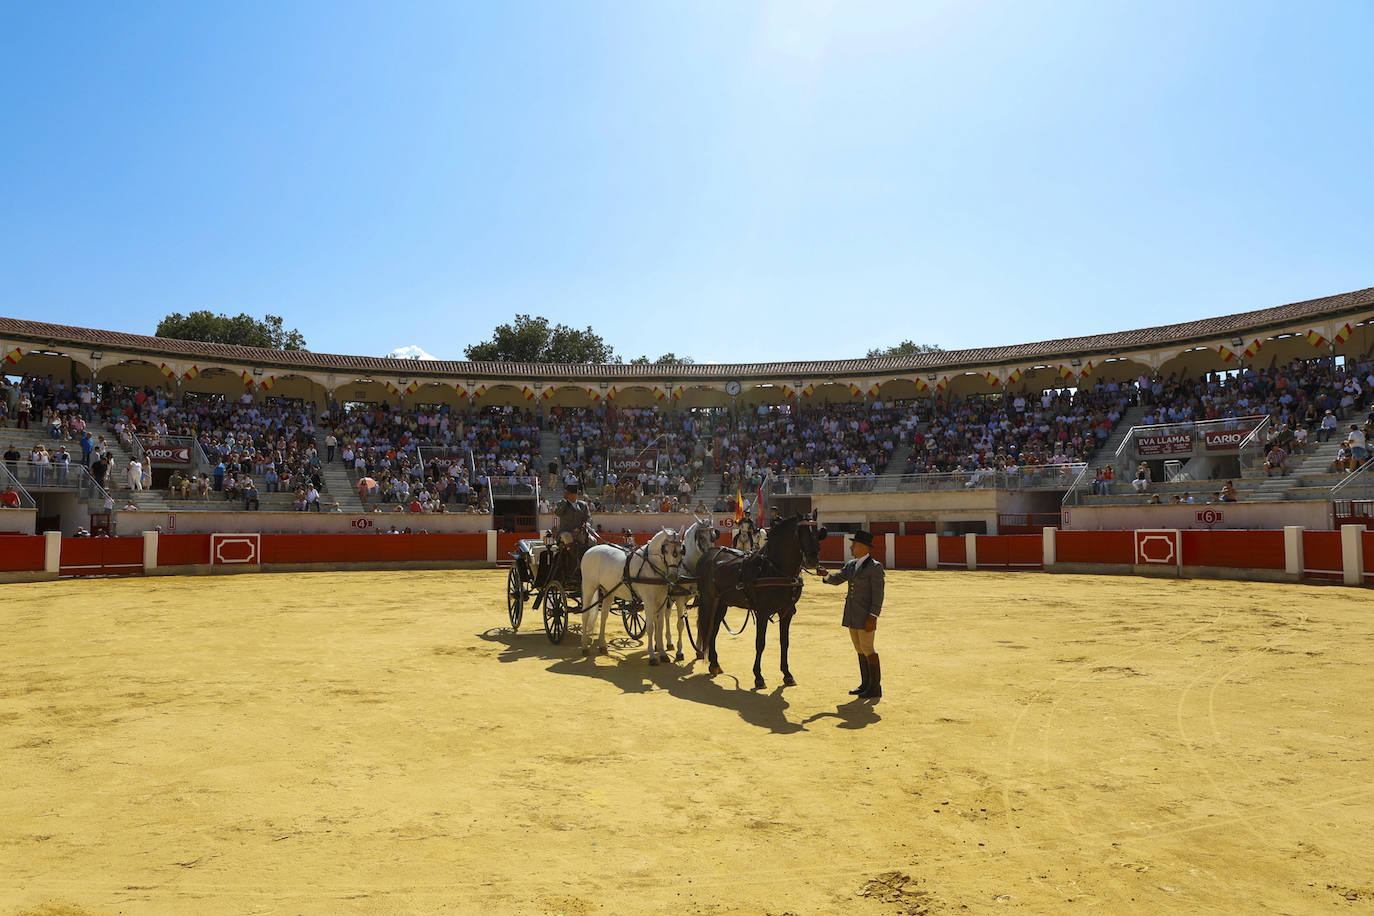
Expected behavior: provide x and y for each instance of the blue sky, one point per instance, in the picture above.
(727, 180)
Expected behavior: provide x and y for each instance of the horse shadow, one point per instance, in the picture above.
(852, 715)
(633, 674)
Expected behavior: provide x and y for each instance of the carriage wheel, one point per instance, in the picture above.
(632, 613)
(743, 623)
(555, 613)
(515, 597)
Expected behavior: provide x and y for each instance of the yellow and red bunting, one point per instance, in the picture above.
(528, 392)
(808, 391)
(391, 386)
(922, 385)
(1227, 354)
(267, 383)
(1088, 367)
(479, 391)
(1343, 332)
(593, 393)
(461, 389)
(788, 391)
(13, 356)
(677, 392)
(659, 392)
(1315, 338)
(1065, 372)
(192, 372)
(855, 390)
(547, 393)
(872, 390)
(1013, 376)
(167, 370)
(1253, 347)
(993, 380)
(611, 393)
(943, 383)
(247, 378)
(412, 387)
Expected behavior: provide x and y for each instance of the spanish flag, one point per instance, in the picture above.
(391, 386)
(808, 391)
(610, 393)
(943, 383)
(412, 387)
(462, 391)
(13, 356)
(873, 390)
(922, 385)
(247, 378)
(788, 391)
(1065, 371)
(167, 371)
(479, 391)
(593, 393)
(547, 393)
(739, 505)
(659, 392)
(191, 372)
(1227, 354)
(677, 392)
(855, 390)
(1254, 347)
(1014, 376)
(993, 380)
(1316, 339)
(1343, 332)
(1088, 367)
(267, 383)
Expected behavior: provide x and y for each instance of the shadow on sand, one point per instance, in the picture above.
(633, 674)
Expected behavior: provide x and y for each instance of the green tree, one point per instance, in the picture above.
(905, 348)
(243, 330)
(667, 359)
(532, 340)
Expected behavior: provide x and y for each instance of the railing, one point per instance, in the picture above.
(26, 500)
(1252, 447)
(523, 487)
(74, 476)
(1030, 477)
(1358, 486)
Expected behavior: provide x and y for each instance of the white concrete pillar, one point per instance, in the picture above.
(1050, 548)
(844, 548)
(971, 550)
(1352, 554)
(890, 550)
(52, 551)
(932, 550)
(491, 547)
(149, 551)
(1292, 550)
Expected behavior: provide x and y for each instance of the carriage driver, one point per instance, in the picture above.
(862, 606)
(572, 516)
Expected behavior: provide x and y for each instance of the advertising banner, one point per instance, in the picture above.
(635, 462)
(1173, 444)
(1224, 440)
(168, 454)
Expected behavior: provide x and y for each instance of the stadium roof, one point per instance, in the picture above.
(1281, 318)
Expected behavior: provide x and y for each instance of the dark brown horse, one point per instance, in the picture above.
(766, 581)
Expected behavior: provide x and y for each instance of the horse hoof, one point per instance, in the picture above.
(602, 650)
(759, 684)
(653, 661)
(716, 669)
(789, 681)
(663, 657)
(680, 658)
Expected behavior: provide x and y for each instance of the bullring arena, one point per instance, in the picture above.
(1101, 693)
(381, 742)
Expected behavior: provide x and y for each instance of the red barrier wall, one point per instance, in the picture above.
(832, 550)
(910, 550)
(1234, 549)
(1016, 551)
(101, 556)
(183, 550)
(378, 548)
(1321, 555)
(952, 551)
(22, 553)
(1095, 547)
(879, 549)
(1367, 547)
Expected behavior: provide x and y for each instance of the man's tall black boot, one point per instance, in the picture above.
(875, 679)
(864, 677)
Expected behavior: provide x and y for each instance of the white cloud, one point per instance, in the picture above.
(411, 352)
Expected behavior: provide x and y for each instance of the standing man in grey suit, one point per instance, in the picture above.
(862, 605)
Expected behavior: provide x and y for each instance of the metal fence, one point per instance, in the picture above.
(26, 500)
(1030, 477)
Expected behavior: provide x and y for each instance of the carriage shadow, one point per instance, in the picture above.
(629, 671)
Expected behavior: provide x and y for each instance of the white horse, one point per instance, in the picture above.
(609, 571)
(697, 539)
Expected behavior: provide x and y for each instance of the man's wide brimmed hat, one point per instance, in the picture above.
(864, 537)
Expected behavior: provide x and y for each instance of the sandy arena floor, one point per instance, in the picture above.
(381, 743)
